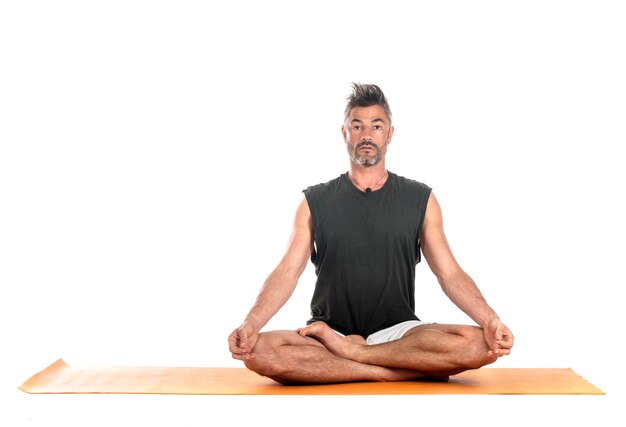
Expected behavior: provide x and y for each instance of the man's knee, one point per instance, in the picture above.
(265, 361)
(477, 348)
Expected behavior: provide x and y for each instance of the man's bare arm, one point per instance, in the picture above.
(278, 286)
(457, 284)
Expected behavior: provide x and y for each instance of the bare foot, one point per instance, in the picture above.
(348, 346)
(338, 345)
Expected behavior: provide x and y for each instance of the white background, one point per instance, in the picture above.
(153, 154)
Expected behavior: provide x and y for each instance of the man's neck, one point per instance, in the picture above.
(368, 177)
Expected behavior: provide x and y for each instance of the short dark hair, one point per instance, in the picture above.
(366, 95)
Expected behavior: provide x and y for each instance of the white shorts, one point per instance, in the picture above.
(394, 332)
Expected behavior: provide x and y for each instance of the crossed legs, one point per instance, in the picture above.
(316, 354)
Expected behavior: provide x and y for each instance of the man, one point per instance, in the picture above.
(363, 231)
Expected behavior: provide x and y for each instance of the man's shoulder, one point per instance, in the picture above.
(324, 186)
(411, 183)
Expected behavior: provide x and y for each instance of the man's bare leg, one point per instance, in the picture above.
(290, 358)
(429, 349)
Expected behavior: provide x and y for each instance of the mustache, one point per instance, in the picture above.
(364, 143)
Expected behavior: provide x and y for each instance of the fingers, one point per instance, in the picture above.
(501, 333)
(244, 356)
(499, 339)
(506, 343)
(501, 348)
(243, 340)
(240, 344)
(505, 338)
(234, 343)
(499, 352)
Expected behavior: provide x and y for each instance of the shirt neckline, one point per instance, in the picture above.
(350, 184)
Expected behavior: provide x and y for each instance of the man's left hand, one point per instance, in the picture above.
(498, 337)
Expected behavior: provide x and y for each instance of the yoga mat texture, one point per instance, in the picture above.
(63, 378)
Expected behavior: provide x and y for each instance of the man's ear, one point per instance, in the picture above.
(343, 132)
(390, 135)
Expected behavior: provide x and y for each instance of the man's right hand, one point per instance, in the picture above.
(242, 340)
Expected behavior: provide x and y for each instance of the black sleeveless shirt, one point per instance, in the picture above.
(366, 249)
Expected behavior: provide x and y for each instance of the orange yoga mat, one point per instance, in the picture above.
(63, 378)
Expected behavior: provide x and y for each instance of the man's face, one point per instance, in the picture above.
(367, 132)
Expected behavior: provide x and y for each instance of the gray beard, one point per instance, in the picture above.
(365, 160)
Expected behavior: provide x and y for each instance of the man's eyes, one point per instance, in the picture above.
(359, 127)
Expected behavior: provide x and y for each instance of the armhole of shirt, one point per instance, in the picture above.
(313, 210)
(424, 203)
(425, 206)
